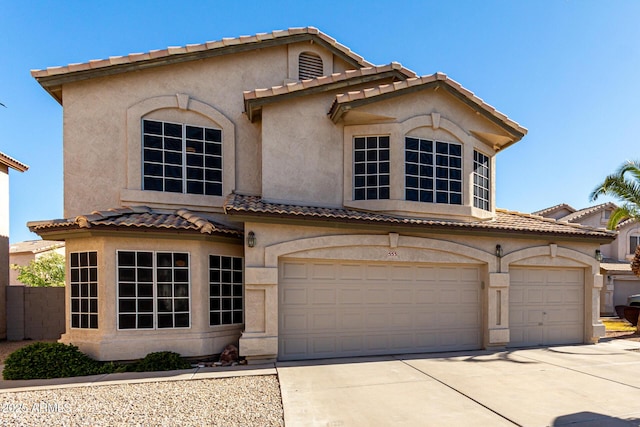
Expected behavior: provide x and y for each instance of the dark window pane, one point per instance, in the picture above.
(145, 290)
(214, 318)
(75, 259)
(383, 142)
(383, 193)
(173, 186)
(165, 290)
(195, 187)
(213, 175)
(75, 320)
(226, 318)
(172, 129)
(195, 160)
(359, 194)
(145, 321)
(181, 259)
(165, 320)
(150, 126)
(372, 193)
(181, 304)
(213, 149)
(213, 189)
(359, 143)
(195, 173)
(127, 306)
(182, 320)
(213, 135)
(126, 290)
(164, 259)
(237, 263)
(126, 274)
(127, 321)
(237, 317)
(411, 195)
(93, 321)
(193, 132)
(411, 143)
(165, 305)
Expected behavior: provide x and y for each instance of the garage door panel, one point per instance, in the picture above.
(377, 309)
(546, 306)
(323, 295)
(294, 296)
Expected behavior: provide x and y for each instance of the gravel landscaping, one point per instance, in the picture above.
(236, 401)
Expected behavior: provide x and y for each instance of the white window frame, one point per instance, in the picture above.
(154, 297)
(632, 237)
(431, 171)
(86, 294)
(232, 297)
(481, 181)
(184, 158)
(382, 179)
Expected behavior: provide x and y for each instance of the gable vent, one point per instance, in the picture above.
(309, 66)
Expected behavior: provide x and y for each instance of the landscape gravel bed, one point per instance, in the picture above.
(235, 401)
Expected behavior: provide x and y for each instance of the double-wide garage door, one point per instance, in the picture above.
(338, 309)
(546, 306)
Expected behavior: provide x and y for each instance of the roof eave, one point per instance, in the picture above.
(53, 83)
(339, 108)
(253, 106)
(426, 228)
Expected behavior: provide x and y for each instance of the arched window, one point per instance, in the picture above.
(309, 66)
(634, 242)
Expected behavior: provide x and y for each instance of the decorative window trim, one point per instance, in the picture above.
(481, 181)
(150, 285)
(430, 166)
(371, 167)
(197, 158)
(83, 281)
(181, 102)
(633, 238)
(226, 290)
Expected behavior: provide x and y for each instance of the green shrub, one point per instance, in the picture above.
(51, 360)
(159, 361)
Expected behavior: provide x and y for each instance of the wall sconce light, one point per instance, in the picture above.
(251, 239)
(499, 251)
(598, 255)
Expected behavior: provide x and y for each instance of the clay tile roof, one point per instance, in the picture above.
(34, 246)
(140, 217)
(53, 77)
(613, 265)
(578, 215)
(399, 87)
(12, 163)
(505, 221)
(547, 211)
(333, 78)
(255, 99)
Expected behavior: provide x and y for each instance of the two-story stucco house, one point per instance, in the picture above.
(280, 190)
(619, 280)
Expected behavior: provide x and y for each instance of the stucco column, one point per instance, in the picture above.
(259, 341)
(498, 310)
(595, 329)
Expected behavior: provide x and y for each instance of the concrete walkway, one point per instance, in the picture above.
(585, 385)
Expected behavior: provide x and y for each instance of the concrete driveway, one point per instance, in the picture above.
(584, 385)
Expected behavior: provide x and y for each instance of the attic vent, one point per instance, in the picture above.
(309, 66)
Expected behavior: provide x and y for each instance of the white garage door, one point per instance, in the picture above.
(546, 306)
(337, 309)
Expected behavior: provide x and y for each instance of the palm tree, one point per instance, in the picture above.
(624, 185)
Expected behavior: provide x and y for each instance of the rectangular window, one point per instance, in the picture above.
(84, 290)
(634, 241)
(371, 168)
(481, 181)
(181, 158)
(225, 290)
(153, 290)
(433, 171)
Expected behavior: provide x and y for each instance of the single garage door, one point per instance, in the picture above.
(546, 306)
(339, 309)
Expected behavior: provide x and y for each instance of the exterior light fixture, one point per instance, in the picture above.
(251, 239)
(598, 255)
(499, 251)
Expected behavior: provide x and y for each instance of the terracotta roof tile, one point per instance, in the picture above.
(323, 80)
(140, 217)
(34, 246)
(402, 85)
(578, 215)
(505, 221)
(612, 265)
(546, 211)
(12, 163)
(227, 41)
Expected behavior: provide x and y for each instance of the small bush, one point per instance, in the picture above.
(51, 360)
(160, 361)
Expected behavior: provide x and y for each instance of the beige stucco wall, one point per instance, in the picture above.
(259, 340)
(97, 141)
(317, 154)
(109, 343)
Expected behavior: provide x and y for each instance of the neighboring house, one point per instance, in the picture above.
(619, 280)
(282, 191)
(22, 253)
(6, 163)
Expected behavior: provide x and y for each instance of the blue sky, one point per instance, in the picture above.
(566, 70)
